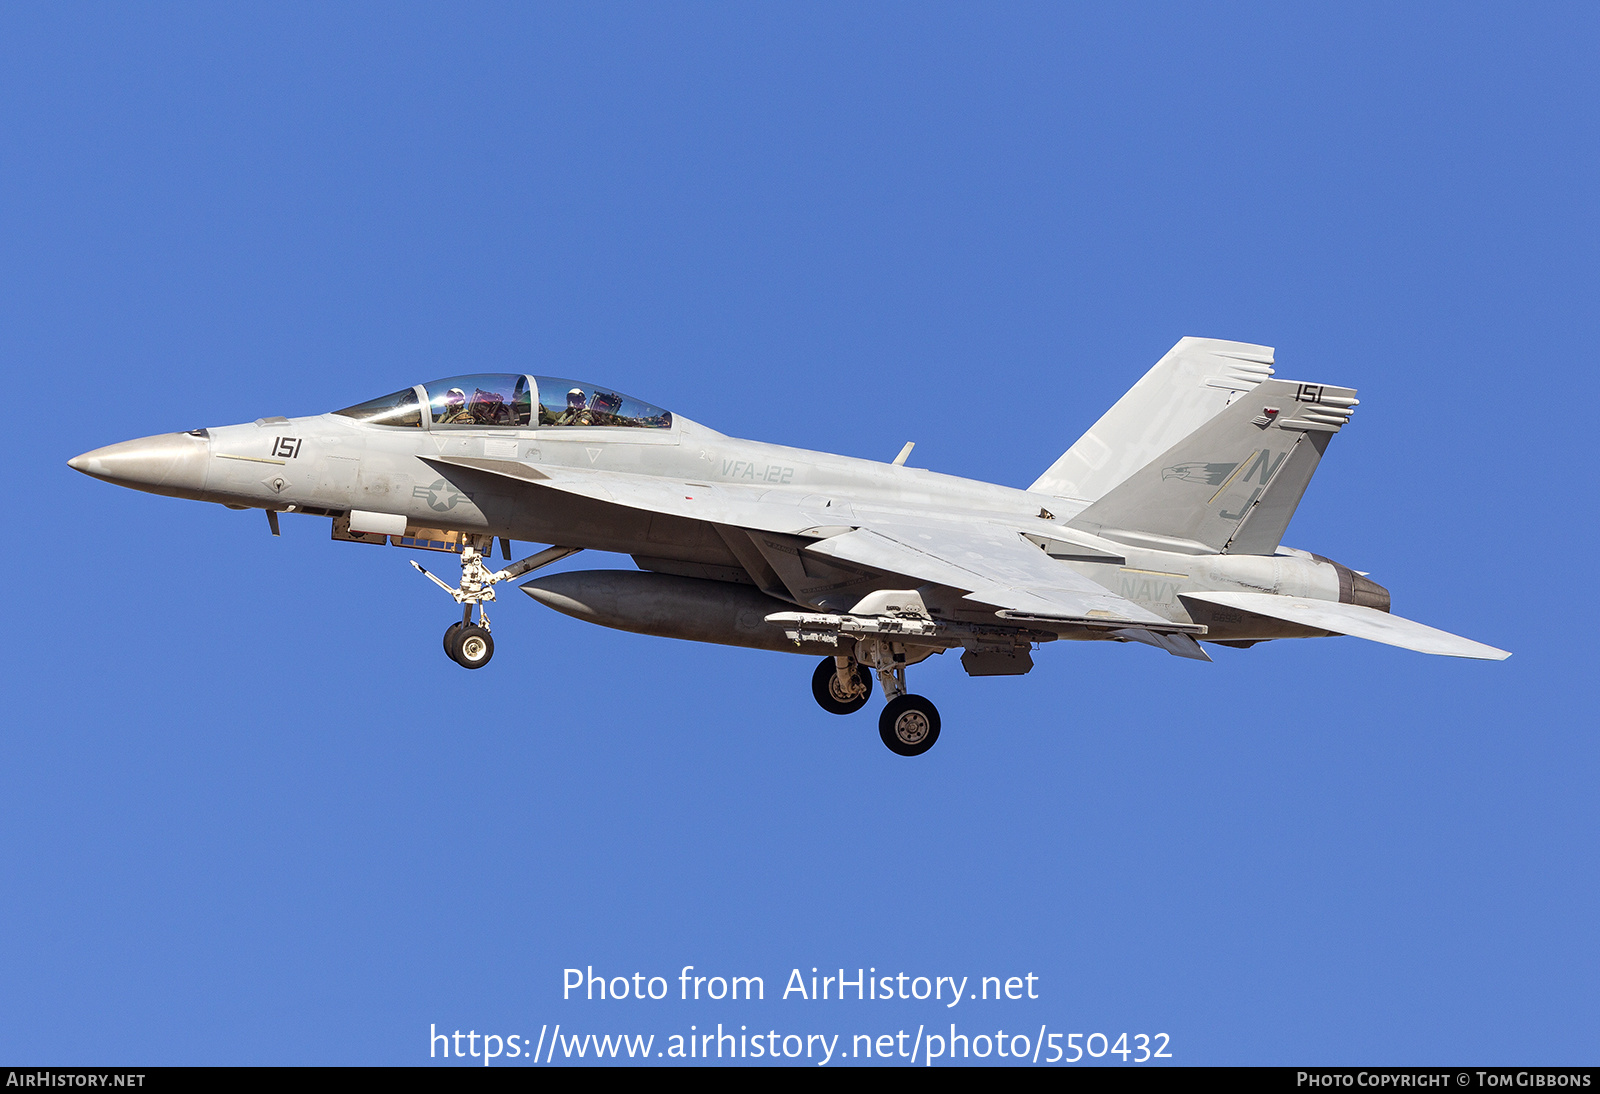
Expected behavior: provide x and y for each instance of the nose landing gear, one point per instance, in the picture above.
(470, 644)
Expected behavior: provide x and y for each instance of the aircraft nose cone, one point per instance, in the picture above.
(172, 463)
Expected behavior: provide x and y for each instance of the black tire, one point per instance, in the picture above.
(450, 633)
(909, 725)
(474, 646)
(825, 683)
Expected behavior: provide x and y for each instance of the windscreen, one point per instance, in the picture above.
(401, 408)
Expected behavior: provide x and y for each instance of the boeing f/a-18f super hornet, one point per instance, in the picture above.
(1161, 525)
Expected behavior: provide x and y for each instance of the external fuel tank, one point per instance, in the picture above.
(690, 608)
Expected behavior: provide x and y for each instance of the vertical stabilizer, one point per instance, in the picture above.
(1194, 382)
(1233, 484)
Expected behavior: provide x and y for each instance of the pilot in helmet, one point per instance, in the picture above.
(455, 408)
(576, 413)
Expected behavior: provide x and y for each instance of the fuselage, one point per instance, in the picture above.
(334, 464)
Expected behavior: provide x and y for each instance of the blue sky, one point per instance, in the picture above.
(252, 815)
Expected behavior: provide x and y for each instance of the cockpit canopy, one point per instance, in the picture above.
(480, 401)
(494, 401)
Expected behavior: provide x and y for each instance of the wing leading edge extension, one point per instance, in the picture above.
(734, 505)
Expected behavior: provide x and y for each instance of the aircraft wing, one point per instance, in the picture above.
(1356, 621)
(995, 564)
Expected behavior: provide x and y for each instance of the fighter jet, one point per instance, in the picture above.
(1160, 526)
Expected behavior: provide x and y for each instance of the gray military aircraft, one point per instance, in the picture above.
(1161, 525)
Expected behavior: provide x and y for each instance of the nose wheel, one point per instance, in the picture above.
(469, 646)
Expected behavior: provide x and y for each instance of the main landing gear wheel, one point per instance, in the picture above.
(909, 725)
(473, 646)
(450, 634)
(834, 698)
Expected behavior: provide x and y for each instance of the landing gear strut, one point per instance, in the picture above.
(909, 724)
(466, 643)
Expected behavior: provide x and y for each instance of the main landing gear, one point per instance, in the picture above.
(470, 644)
(909, 724)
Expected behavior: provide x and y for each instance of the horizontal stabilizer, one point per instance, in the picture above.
(1356, 621)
